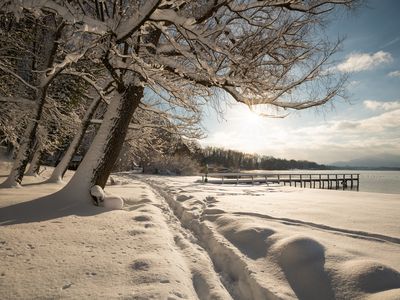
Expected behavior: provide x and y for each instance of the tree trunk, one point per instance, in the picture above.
(61, 168)
(35, 163)
(45, 54)
(17, 172)
(10, 151)
(98, 162)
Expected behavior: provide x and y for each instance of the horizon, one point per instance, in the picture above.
(364, 126)
(350, 165)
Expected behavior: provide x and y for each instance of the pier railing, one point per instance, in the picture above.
(322, 181)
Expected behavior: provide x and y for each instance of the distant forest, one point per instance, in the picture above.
(218, 158)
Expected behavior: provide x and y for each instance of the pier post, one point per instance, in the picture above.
(351, 184)
(310, 181)
(319, 183)
(358, 182)
(290, 179)
(301, 180)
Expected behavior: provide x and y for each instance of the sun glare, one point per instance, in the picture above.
(246, 119)
(250, 130)
(251, 118)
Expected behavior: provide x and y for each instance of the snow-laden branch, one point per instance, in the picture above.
(310, 7)
(7, 70)
(17, 100)
(136, 126)
(86, 77)
(128, 27)
(131, 126)
(70, 13)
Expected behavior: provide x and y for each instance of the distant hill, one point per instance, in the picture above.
(384, 161)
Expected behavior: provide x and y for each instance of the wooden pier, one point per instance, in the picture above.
(321, 181)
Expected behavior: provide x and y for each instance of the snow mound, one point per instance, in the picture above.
(113, 202)
(370, 276)
(109, 201)
(249, 238)
(298, 251)
(302, 260)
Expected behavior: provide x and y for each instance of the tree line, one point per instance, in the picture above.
(217, 158)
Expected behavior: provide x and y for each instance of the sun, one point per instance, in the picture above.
(252, 118)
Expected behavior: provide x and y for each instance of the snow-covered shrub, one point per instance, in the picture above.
(173, 165)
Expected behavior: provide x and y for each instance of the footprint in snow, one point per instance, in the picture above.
(142, 218)
(210, 199)
(141, 265)
(66, 286)
(182, 198)
(135, 232)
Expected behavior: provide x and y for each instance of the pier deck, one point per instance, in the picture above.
(322, 181)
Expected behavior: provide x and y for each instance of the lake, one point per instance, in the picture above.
(370, 181)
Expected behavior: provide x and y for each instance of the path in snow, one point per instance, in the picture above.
(259, 256)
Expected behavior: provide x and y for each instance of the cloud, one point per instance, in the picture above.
(378, 105)
(354, 83)
(357, 62)
(392, 42)
(381, 123)
(347, 125)
(394, 74)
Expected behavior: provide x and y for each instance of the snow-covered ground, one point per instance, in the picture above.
(180, 239)
(288, 242)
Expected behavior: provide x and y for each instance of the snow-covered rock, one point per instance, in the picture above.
(107, 200)
(97, 193)
(113, 202)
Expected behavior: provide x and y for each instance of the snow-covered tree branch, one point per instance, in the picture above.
(170, 58)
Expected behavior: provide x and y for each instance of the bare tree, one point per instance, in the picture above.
(156, 133)
(45, 45)
(258, 52)
(62, 166)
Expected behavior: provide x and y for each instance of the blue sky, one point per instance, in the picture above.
(366, 125)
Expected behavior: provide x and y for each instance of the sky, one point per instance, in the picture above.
(366, 125)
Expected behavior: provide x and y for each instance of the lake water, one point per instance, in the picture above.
(370, 181)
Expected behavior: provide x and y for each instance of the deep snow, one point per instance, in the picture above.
(179, 239)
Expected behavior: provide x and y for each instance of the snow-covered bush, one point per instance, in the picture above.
(173, 165)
